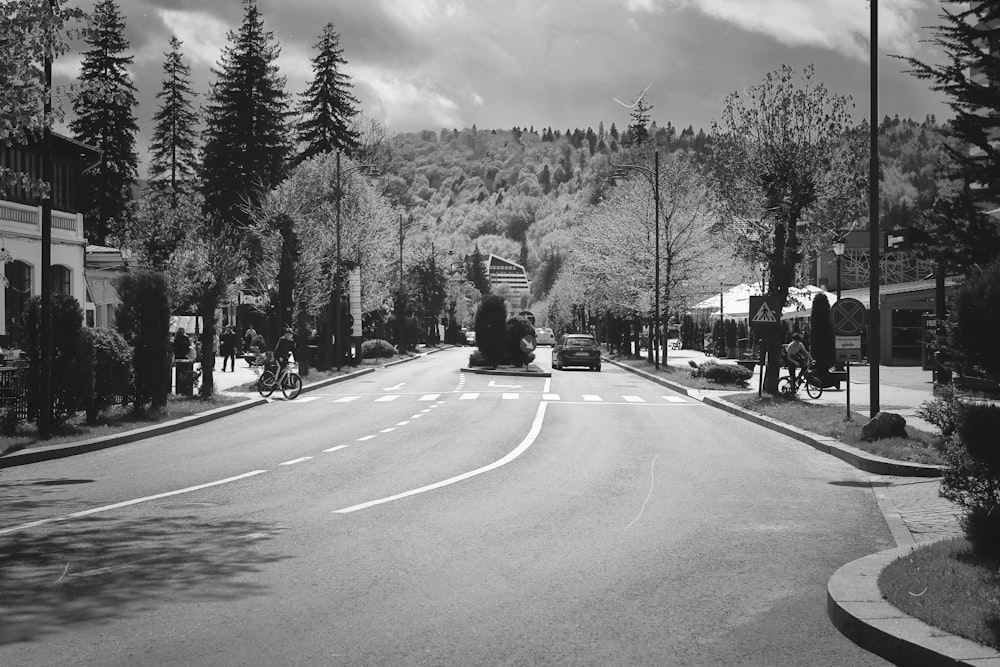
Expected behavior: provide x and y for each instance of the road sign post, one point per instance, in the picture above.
(765, 317)
(848, 318)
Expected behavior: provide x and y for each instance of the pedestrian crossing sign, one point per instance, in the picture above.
(764, 312)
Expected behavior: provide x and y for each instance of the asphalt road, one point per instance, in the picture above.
(419, 515)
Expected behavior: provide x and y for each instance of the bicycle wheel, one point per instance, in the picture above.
(265, 385)
(813, 387)
(291, 385)
(785, 387)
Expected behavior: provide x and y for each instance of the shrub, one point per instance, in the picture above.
(491, 330)
(112, 369)
(727, 374)
(517, 328)
(974, 321)
(477, 358)
(942, 411)
(377, 348)
(972, 476)
(823, 341)
(143, 319)
(72, 360)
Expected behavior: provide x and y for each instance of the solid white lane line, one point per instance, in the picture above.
(346, 399)
(428, 397)
(25, 526)
(468, 397)
(550, 397)
(388, 397)
(529, 439)
(366, 437)
(510, 397)
(144, 499)
(294, 461)
(633, 399)
(592, 397)
(334, 449)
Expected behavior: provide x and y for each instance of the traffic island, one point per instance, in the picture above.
(530, 371)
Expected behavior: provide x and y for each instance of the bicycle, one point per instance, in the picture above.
(287, 379)
(813, 386)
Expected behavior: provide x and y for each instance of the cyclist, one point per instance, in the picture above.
(284, 348)
(798, 356)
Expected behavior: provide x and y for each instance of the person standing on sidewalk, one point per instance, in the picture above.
(228, 343)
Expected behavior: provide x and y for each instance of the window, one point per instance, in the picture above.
(61, 280)
(16, 294)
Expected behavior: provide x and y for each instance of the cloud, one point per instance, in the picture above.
(203, 34)
(404, 104)
(836, 25)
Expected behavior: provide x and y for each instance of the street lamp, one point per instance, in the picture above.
(337, 333)
(654, 176)
(838, 250)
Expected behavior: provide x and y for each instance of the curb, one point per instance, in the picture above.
(502, 371)
(48, 453)
(852, 455)
(858, 610)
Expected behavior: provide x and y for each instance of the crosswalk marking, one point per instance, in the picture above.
(386, 398)
(507, 396)
(306, 399)
(510, 397)
(468, 397)
(673, 399)
(592, 397)
(429, 397)
(633, 399)
(346, 399)
(550, 397)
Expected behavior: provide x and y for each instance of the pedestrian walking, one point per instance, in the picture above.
(228, 342)
(248, 338)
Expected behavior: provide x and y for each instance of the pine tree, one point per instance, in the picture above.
(327, 106)
(246, 140)
(961, 233)
(105, 119)
(173, 159)
(638, 129)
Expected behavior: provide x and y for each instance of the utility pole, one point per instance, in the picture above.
(45, 328)
(874, 250)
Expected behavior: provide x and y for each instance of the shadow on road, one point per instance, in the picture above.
(95, 569)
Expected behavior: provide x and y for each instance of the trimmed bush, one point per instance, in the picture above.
(476, 358)
(72, 378)
(942, 411)
(112, 370)
(517, 328)
(143, 319)
(727, 374)
(377, 348)
(822, 340)
(491, 329)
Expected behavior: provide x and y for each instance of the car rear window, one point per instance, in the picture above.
(579, 342)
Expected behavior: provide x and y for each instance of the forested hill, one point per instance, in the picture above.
(519, 192)
(514, 192)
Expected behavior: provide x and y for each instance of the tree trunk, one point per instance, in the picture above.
(206, 309)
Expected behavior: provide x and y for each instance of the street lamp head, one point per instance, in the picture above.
(838, 248)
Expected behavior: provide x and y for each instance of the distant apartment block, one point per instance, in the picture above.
(507, 276)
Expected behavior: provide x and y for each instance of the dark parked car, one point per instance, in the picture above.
(576, 350)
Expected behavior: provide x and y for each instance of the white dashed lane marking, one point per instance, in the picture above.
(294, 461)
(334, 449)
(387, 398)
(592, 397)
(346, 399)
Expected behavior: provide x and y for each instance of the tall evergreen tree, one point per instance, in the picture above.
(638, 129)
(246, 143)
(961, 233)
(173, 159)
(327, 106)
(105, 119)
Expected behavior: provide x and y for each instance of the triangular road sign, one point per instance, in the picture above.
(764, 314)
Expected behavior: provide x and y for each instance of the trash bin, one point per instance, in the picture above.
(185, 377)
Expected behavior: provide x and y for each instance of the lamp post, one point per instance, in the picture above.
(654, 175)
(337, 333)
(838, 250)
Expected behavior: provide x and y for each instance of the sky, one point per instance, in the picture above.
(565, 64)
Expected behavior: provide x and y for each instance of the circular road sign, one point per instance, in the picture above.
(527, 344)
(848, 317)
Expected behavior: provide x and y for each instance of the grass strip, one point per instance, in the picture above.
(945, 584)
